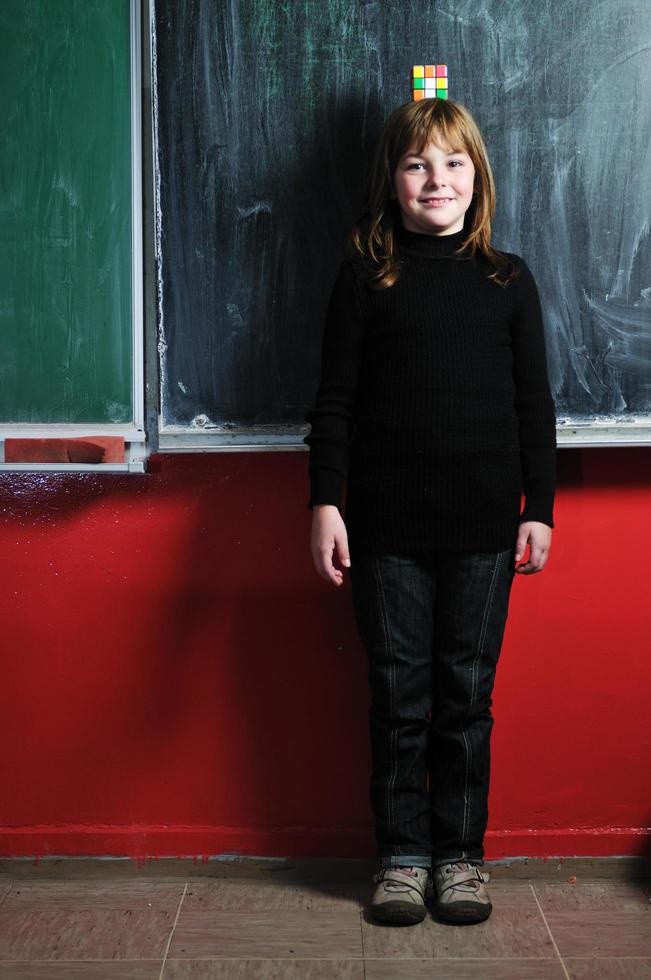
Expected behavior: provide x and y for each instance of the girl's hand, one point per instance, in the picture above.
(539, 538)
(329, 536)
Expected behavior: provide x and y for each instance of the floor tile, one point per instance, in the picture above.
(588, 896)
(344, 869)
(111, 970)
(306, 921)
(270, 896)
(509, 932)
(126, 894)
(477, 969)
(279, 969)
(512, 893)
(560, 869)
(608, 969)
(267, 934)
(71, 935)
(184, 869)
(601, 934)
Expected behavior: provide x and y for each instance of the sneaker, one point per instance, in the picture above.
(460, 892)
(400, 895)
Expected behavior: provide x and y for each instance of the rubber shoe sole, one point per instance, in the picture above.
(399, 913)
(462, 911)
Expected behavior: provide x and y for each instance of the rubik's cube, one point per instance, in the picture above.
(429, 81)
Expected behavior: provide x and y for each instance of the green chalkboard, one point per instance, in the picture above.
(65, 212)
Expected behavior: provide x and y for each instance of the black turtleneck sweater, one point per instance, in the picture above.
(434, 406)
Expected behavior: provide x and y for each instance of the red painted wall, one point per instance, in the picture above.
(177, 680)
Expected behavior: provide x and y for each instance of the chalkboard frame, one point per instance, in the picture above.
(134, 433)
(636, 432)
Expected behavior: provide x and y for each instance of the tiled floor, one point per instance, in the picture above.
(305, 920)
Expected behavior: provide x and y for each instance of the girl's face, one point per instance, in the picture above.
(434, 189)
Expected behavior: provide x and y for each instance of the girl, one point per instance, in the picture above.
(434, 406)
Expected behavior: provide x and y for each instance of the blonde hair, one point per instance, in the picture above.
(415, 125)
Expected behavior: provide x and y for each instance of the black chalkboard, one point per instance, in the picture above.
(267, 112)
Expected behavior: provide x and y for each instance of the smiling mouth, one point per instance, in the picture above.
(436, 200)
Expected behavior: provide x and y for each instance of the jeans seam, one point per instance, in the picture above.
(474, 685)
(392, 694)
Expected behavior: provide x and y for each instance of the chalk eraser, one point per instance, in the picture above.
(82, 449)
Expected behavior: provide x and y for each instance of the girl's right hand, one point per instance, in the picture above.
(329, 537)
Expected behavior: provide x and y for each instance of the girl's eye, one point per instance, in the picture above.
(412, 165)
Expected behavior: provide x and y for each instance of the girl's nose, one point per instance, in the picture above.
(435, 178)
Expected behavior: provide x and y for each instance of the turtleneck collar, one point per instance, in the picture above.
(429, 246)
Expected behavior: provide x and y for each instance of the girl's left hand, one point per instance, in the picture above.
(539, 538)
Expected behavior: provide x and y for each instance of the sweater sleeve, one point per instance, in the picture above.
(533, 402)
(332, 418)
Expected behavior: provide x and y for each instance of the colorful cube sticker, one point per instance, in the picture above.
(429, 82)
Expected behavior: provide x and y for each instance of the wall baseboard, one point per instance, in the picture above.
(197, 847)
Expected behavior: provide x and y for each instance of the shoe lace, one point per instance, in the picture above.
(474, 876)
(393, 885)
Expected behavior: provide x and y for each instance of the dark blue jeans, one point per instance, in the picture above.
(432, 624)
